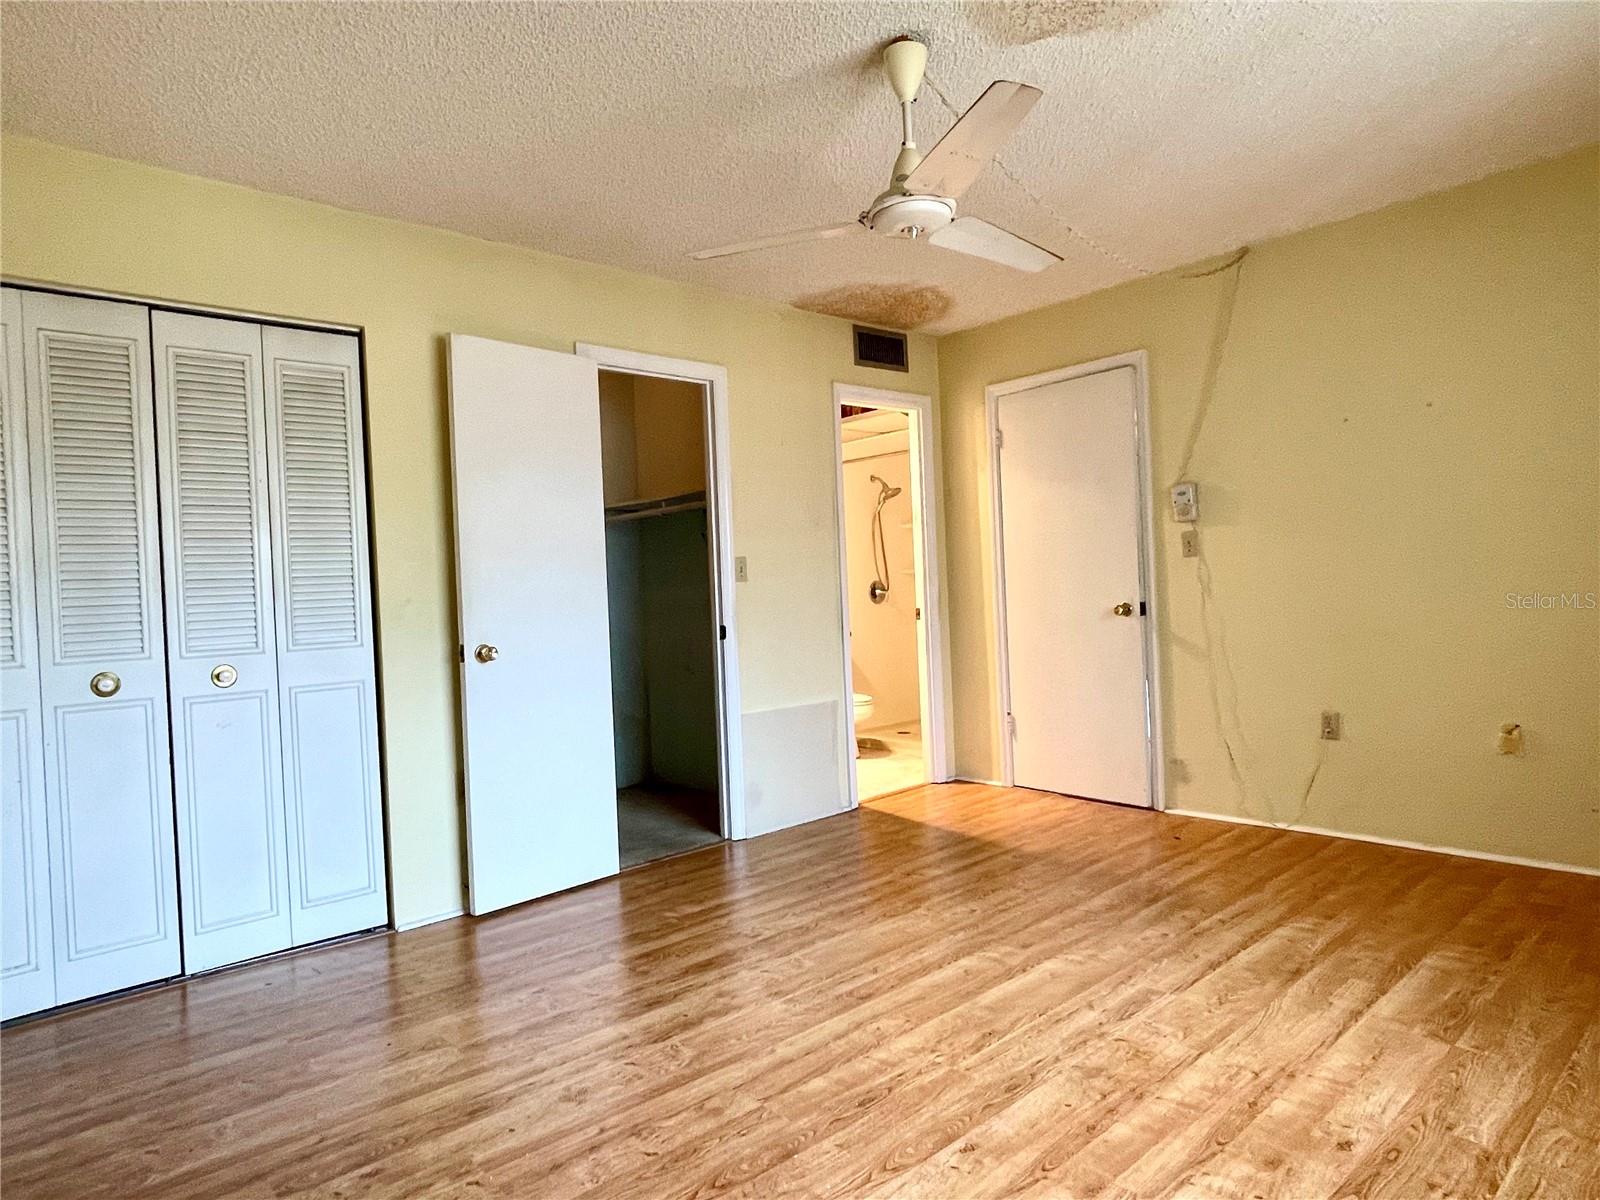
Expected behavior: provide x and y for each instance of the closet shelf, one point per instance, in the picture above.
(654, 506)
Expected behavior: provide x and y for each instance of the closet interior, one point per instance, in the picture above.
(190, 739)
(663, 620)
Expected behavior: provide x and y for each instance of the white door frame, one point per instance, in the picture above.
(1139, 361)
(932, 677)
(719, 529)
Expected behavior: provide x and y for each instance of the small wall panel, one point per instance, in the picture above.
(792, 766)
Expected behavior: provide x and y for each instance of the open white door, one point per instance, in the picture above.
(536, 651)
(1074, 604)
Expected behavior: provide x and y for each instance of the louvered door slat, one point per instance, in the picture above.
(100, 546)
(211, 400)
(318, 471)
(8, 574)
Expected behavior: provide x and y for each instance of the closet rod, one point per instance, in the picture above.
(634, 510)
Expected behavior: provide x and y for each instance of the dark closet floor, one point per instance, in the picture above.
(658, 820)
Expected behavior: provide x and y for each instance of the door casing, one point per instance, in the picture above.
(719, 529)
(1139, 361)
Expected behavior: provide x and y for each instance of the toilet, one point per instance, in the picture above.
(869, 746)
(863, 708)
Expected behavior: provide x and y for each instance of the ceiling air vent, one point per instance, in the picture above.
(881, 348)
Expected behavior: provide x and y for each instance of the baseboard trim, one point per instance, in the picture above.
(1345, 835)
(418, 923)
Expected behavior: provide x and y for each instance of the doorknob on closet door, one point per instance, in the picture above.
(106, 683)
(1123, 610)
(486, 653)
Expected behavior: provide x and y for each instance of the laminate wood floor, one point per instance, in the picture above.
(962, 992)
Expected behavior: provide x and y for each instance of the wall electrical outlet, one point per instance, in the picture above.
(1191, 543)
(741, 570)
(1332, 726)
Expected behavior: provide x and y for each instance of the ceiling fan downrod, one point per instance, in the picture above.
(905, 60)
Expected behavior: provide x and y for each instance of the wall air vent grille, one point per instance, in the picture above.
(881, 348)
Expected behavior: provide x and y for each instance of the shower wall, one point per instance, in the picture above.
(883, 637)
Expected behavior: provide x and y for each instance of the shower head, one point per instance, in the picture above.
(888, 493)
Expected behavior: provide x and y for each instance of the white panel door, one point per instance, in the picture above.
(108, 772)
(27, 950)
(326, 662)
(221, 649)
(531, 576)
(1069, 497)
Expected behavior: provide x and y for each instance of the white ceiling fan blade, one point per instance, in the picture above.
(968, 235)
(781, 239)
(964, 151)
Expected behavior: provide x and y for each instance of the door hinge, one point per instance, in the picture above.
(1011, 725)
(722, 633)
(999, 438)
(919, 612)
(1143, 609)
(461, 653)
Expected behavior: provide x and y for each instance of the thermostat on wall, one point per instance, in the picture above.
(1186, 501)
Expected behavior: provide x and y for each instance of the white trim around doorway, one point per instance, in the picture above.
(1139, 361)
(719, 519)
(932, 647)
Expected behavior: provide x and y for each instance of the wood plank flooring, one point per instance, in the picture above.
(960, 992)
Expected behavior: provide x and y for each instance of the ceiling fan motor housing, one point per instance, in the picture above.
(909, 216)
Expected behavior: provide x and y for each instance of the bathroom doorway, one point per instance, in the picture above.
(889, 593)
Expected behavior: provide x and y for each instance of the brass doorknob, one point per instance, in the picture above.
(486, 653)
(1124, 609)
(105, 684)
(224, 675)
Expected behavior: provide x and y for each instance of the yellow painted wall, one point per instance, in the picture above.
(86, 221)
(652, 437)
(671, 433)
(1404, 429)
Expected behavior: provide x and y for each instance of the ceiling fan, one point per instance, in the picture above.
(920, 202)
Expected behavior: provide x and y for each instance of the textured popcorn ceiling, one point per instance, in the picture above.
(634, 133)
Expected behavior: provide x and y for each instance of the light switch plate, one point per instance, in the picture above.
(741, 572)
(1191, 543)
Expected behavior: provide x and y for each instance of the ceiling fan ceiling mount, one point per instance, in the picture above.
(905, 61)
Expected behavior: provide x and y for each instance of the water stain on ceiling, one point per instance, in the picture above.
(888, 305)
(1023, 22)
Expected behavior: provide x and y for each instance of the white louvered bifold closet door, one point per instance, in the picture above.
(103, 662)
(326, 670)
(221, 645)
(27, 951)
